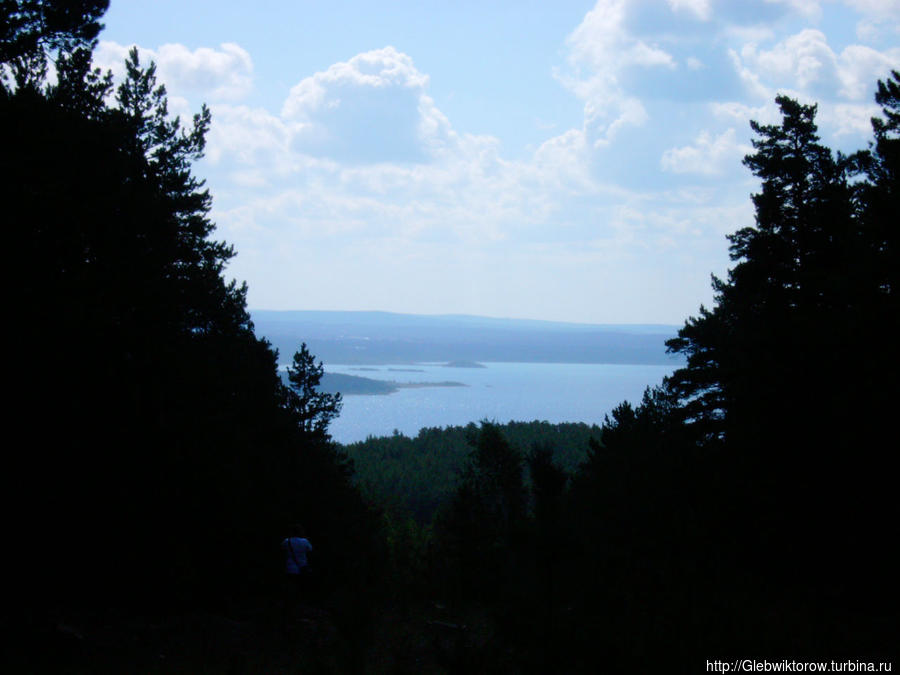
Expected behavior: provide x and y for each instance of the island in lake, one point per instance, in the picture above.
(354, 385)
(464, 364)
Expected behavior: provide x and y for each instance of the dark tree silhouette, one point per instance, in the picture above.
(31, 31)
(28, 26)
(757, 476)
(157, 429)
(880, 200)
(314, 409)
(750, 357)
(785, 374)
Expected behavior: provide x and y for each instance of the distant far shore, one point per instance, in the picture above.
(418, 385)
(368, 339)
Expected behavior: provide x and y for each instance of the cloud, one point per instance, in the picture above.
(603, 42)
(708, 155)
(806, 62)
(849, 119)
(288, 172)
(372, 108)
(699, 8)
(223, 74)
(247, 135)
(880, 18)
(886, 9)
(564, 161)
(360, 178)
(735, 111)
(601, 52)
(802, 61)
(693, 63)
(414, 176)
(810, 9)
(860, 66)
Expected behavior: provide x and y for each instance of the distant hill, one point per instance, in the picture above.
(366, 338)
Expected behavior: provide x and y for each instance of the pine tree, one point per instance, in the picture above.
(32, 30)
(883, 172)
(879, 204)
(151, 423)
(785, 374)
(314, 409)
(751, 357)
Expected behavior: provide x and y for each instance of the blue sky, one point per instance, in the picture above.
(570, 161)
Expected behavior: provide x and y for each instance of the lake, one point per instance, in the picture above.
(502, 392)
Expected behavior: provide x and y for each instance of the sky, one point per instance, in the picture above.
(568, 161)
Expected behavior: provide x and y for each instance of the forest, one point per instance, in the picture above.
(743, 509)
(413, 477)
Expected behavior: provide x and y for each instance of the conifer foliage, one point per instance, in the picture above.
(315, 409)
(31, 28)
(777, 310)
(786, 375)
(157, 433)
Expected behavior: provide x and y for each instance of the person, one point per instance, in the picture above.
(296, 548)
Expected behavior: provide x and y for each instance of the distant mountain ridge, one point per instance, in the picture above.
(388, 338)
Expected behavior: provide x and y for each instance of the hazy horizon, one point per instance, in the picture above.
(456, 315)
(340, 337)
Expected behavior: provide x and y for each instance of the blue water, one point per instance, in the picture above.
(555, 392)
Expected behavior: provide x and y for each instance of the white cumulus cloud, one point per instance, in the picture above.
(880, 18)
(223, 74)
(601, 50)
(372, 108)
(699, 8)
(709, 155)
(247, 135)
(805, 62)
